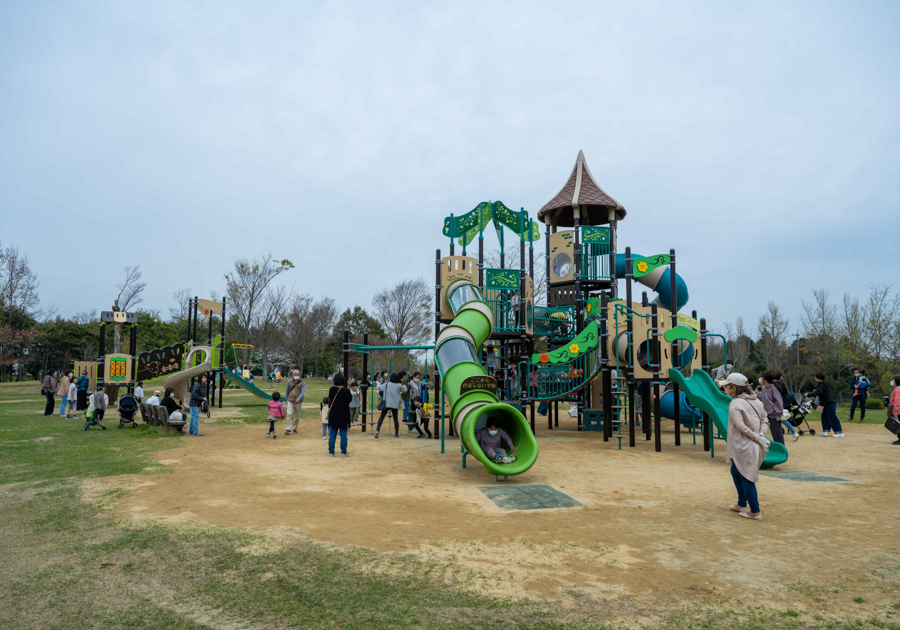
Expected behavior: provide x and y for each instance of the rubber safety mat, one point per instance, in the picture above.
(536, 497)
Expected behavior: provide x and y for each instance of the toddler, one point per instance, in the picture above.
(324, 408)
(354, 402)
(72, 399)
(276, 413)
(422, 418)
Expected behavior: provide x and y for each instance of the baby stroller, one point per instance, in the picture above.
(799, 407)
(127, 409)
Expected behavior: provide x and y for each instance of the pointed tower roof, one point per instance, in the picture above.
(581, 191)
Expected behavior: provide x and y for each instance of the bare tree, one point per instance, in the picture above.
(405, 311)
(739, 344)
(129, 296)
(18, 283)
(878, 316)
(179, 312)
(268, 322)
(308, 328)
(852, 324)
(822, 329)
(539, 281)
(246, 286)
(85, 317)
(772, 328)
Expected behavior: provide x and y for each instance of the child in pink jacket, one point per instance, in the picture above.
(276, 413)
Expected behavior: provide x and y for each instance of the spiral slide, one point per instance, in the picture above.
(657, 280)
(457, 356)
(703, 392)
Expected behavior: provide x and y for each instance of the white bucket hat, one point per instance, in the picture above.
(735, 378)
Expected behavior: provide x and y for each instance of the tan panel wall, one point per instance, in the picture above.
(454, 268)
(562, 257)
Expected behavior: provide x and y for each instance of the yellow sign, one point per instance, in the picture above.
(116, 369)
(690, 322)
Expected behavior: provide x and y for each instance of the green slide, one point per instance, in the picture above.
(240, 382)
(471, 392)
(702, 392)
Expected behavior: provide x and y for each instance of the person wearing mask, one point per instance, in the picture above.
(391, 404)
(198, 396)
(415, 388)
(861, 394)
(154, 399)
(893, 402)
(63, 391)
(747, 443)
(339, 398)
(48, 388)
(294, 393)
(774, 405)
(828, 406)
(404, 396)
(175, 411)
(491, 438)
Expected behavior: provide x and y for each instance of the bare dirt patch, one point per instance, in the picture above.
(654, 529)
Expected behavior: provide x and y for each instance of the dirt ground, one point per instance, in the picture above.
(654, 528)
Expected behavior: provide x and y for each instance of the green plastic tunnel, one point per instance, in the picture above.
(457, 357)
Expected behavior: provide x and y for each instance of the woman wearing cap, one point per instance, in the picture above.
(747, 443)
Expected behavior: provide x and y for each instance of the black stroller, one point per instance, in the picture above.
(127, 409)
(799, 407)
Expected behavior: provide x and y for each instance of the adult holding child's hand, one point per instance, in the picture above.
(339, 398)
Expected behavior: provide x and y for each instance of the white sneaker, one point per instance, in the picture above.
(324, 437)
(823, 434)
(795, 437)
(507, 460)
(841, 434)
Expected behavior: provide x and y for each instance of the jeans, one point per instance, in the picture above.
(396, 422)
(830, 420)
(195, 421)
(51, 405)
(332, 434)
(542, 408)
(789, 427)
(62, 407)
(424, 395)
(746, 490)
(405, 411)
(861, 401)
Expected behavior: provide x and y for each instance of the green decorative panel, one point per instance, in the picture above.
(680, 332)
(642, 266)
(586, 341)
(595, 235)
(501, 279)
(514, 221)
(467, 225)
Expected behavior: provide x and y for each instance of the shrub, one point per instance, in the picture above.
(874, 403)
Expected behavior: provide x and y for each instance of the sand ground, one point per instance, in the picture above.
(653, 530)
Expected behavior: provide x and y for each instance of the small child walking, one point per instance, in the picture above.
(354, 402)
(72, 398)
(422, 419)
(324, 408)
(276, 413)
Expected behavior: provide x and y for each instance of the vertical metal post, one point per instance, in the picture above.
(547, 261)
(631, 356)
(656, 374)
(452, 234)
(366, 381)
(605, 376)
(132, 350)
(579, 322)
(222, 358)
(707, 437)
(101, 363)
(676, 402)
(438, 398)
(613, 244)
(346, 355)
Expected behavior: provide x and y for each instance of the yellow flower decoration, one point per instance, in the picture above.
(589, 306)
(574, 348)
(642, 267)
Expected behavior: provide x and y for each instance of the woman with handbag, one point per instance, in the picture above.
(339, 398)
(774, 405)
(893, 404)
(390, 403)
(747, 443)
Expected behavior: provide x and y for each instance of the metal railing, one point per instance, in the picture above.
(595, 262)
(557, 323)
(551, 381)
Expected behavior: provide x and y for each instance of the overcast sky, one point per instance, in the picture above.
(758, 139)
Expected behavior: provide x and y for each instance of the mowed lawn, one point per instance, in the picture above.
(66, 563)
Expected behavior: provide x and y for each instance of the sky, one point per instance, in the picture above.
(760, 140)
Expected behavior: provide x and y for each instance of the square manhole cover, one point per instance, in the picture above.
(537, 497)
(799, 475)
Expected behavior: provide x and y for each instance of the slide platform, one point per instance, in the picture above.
(702, 392)
(240, 382)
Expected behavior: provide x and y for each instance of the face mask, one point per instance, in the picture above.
(494, 432)
(892, 384)
(296, 378)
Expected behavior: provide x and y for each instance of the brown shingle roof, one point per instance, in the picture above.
(581, 189)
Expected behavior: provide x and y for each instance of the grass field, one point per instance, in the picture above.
(69, 560)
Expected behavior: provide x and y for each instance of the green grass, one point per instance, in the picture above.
(53, 546)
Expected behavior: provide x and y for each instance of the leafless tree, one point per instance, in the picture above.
(878, 316)
(179, 312)
(820, 321)
(772, 328)
(539, 281)
(309, 324)
(246, 286)
(852, 325)
(405, 311)
(268, 322)
(18, 283)
(85, 317)
(739, 347)
(129, 296)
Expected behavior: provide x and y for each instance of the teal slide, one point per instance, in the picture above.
(240, 382)
(703, 392)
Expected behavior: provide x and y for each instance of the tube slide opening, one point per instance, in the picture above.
(514, 423)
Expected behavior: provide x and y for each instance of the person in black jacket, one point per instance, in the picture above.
(828, 405)
(338, 414)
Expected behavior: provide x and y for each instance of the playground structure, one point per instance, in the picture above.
(602, 350)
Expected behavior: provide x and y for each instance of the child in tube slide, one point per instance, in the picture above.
(490, 438)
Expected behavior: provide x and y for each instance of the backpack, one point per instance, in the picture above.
(98, 401)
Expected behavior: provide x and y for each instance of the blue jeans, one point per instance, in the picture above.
(830, 420)
(324, 430)
(195, 420)
(746, 490)
(405, 411)
(542, 408)
(790, 427)
(424, 395)
(332, 434)
(62, 407)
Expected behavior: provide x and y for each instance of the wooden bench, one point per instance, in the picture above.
(173, 426)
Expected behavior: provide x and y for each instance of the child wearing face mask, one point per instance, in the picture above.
(490, 438)
(893, 402)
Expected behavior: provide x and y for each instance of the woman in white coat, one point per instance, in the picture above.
(747, 443)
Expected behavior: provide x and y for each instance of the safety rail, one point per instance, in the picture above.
(557, 322)
(595, 263)
(551, 381)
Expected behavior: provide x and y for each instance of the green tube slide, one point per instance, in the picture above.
(457, 352)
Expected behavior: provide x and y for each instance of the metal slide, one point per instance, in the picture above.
(240, 382)
(457, 352)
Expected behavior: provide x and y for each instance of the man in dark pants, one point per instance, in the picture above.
(860, 385)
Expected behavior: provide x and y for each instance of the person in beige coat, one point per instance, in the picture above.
(747, 443)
